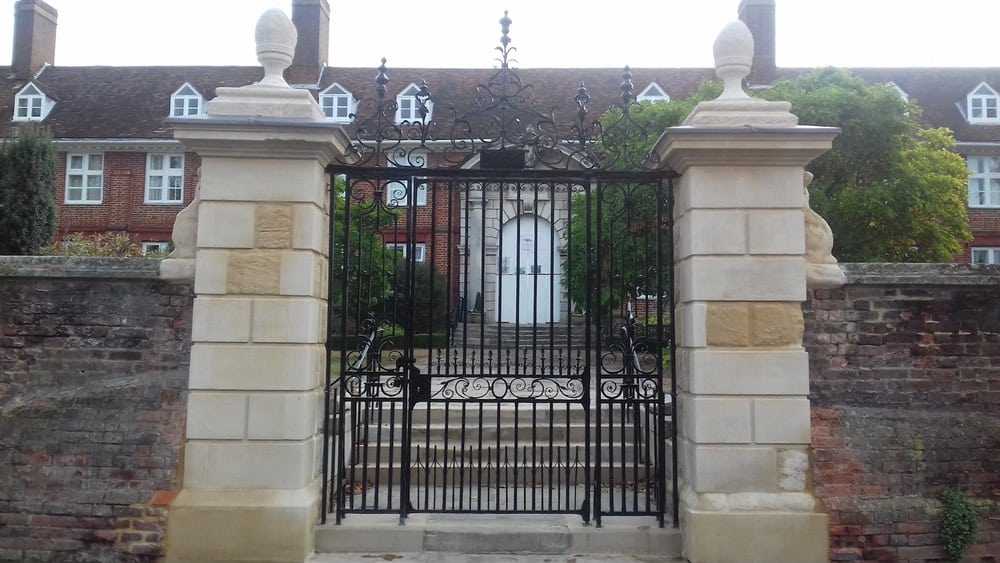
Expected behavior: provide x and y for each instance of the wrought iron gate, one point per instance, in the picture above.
(500, 316)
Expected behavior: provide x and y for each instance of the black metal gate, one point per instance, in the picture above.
(500, 319)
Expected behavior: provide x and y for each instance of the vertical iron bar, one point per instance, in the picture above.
(595, 273)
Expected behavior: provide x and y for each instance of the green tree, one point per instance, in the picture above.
(629, 237)
(27, 191)
(427, 301)
(891, 190)
(368, 269)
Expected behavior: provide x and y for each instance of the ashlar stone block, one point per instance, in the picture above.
(742, 187)
(255, 272)
(742, 278)
(262, 179)
(211, 272)
(265, 367)
(781, 421)
(221, 319)
(711, 231)
(728, 324)
(310, 228)
(282, 416)
(776, 324)
(731, 469)
(225, 225)
(746, 372)
(249, 465)
(301, 274)
(274, 226)
(709, 420)
(289, 319)
(216, 416)
(776, 231)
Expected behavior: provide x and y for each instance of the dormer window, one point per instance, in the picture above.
(338, 104)
(30, 104)
(186, 102)
(408, 104)
(899, 91)
(983, 105)
(653, 93)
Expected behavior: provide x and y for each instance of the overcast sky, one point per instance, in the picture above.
(547, 33)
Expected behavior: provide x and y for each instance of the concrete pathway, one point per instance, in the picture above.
(442, 557)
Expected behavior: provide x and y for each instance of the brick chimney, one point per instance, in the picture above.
(34, 37)
(758, 15)
(312, 21)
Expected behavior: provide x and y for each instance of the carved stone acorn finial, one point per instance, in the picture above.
(733, 51)
(276, 37)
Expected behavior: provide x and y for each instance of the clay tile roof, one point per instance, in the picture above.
(941, 93)
(119, 102)
(133, 102)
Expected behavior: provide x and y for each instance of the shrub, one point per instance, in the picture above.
(100, 244)
(27, 191)
(959, 523)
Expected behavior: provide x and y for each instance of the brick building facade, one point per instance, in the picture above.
(71, 101)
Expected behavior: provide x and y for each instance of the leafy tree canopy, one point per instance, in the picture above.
(891, 190)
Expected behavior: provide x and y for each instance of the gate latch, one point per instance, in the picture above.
(419, 386)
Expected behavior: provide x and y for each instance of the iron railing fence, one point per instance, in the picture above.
(500, 341)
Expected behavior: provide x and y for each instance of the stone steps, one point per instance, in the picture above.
(508, 534)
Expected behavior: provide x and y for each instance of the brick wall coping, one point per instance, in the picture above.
(79, 267)
(921, 274)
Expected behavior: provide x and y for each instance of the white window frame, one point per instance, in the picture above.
(85, 180)
(154, 246)
(419, 250)
(984, 181)
(186, 102)
(395, 191)
(164, 178)
(986, 255)
(338, 104)
(653, 93)
(407, 105)
(983, 105)
(30, 104)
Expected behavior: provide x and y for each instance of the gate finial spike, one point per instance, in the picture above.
(505, 29)
(626, 88)
(381, 80)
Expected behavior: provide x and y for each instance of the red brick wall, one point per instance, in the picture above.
(123, 207)
(985, 226)
(905, 378)
(93, 379)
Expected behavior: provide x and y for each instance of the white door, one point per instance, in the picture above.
(529, 272)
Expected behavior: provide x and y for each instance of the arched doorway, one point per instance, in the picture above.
(529, 272)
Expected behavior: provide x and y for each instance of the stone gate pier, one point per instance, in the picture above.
(251, 463)
(740, 265)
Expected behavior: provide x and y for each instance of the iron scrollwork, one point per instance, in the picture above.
(502, 117)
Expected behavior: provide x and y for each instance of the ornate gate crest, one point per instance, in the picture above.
(503, 120)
